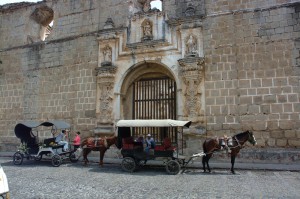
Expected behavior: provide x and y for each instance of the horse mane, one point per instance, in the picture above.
(241, 134)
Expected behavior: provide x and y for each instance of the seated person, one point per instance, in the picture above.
(140, 139)
(76, 141)
(60, 139)
(150, 143)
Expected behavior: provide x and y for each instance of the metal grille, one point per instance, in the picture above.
(155, 99)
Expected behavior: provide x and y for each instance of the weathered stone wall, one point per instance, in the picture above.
(252, 79)
(16, 25)
(251, 51)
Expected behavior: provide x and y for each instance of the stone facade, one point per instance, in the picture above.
(235, 63)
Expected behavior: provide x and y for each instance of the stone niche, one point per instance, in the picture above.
(146, 27)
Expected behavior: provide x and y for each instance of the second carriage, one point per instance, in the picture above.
(166, 149)
(30, 148)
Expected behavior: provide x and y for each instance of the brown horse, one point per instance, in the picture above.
(96, 144)
(214, 144)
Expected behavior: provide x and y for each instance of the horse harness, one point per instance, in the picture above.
(96, 142)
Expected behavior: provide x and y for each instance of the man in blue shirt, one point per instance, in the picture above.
(150, 143)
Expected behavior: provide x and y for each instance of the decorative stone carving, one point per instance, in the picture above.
(105, 84)
(192, 73)
(109, 24)
(107, 56)
(190, 11)
(147, 30)
(191, 46)
(147, 6)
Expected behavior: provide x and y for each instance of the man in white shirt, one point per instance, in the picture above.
(60, 139)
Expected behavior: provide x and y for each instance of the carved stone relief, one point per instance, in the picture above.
(105, 84)
(190, 11)
(192, 73)
(147, 6)
(147, 30)
(109, 24)
(191, 46)
(107, 56)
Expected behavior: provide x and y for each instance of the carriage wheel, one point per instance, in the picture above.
(128, 164)
(172, 167)
(18, 158)
(56, 161)
(73, 157)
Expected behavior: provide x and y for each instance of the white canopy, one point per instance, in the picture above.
(153, 123)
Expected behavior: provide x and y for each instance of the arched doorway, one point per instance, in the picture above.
(149, 92)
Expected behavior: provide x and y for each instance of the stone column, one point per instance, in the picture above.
(191, 69)
(104, 111)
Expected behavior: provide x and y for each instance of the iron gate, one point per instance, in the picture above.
(155, 99)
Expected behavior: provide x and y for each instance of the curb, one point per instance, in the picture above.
(197, 164)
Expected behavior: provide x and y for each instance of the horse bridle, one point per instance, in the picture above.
(238, 142)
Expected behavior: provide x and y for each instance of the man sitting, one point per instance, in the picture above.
(60, 139)
(150, 143)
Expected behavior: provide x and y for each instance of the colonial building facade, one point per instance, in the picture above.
(228, 66)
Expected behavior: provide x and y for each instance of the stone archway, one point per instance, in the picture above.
(149, 91)
(141, 76)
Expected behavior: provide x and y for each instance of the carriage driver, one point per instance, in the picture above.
(61, 140)
(150, 143)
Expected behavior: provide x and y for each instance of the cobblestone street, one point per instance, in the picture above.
(40, 180)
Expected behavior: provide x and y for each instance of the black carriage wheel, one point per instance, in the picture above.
(56, 161)
(38, 158)
(18, 158)
(128, 164)
(73, 157)
(172, 167)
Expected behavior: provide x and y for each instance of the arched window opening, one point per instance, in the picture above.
(156, 4)
(43, 16)
(48, 30)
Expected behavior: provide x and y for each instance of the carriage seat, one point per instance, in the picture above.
(49, 143)
(128, 143)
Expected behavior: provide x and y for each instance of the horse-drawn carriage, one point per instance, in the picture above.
(134, 153)
(30, 147)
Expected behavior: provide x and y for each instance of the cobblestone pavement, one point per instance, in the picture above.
(40, 180)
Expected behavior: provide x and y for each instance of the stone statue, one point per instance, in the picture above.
(191, 46)
(107, 54)
(147, 6)
(147, 29)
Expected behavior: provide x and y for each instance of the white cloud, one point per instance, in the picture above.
(2, 2)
